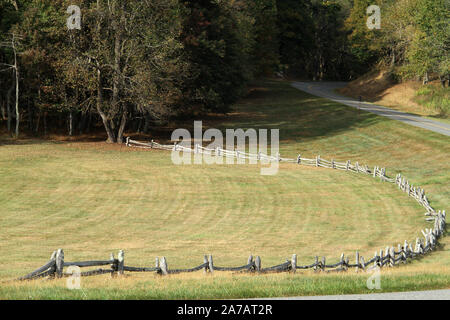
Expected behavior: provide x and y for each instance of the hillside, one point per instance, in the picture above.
(379, 87)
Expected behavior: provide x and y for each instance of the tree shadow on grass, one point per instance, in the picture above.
(269, 104)
(6, 140)
(298, 115)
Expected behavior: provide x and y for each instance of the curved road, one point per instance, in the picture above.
(326, 90)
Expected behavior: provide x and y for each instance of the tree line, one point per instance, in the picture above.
(134, 64)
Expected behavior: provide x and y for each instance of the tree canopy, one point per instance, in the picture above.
(135, 64)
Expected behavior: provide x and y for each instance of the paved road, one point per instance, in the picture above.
(419, 295)
(326, 90)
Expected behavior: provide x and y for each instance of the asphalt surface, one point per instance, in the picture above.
(326, 90)
(418, 295)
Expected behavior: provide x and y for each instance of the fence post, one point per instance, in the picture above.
(53, 268)
(250, 260)
(392, 257)
(294, 263)
(121, 261)
(348, 165)
(324, 263)
(405, 249)
(151, 146)
(164, 268)
(317, 160)
(332, 164)
(417, 247)
(375, 172)
(205, 262)
(211, 264)
(128, 142)
(357, 166)
(357, 261)
(299, 159)
(59, 263)
(388, 255)
(381, 258)
(113, 265)
(258, 263)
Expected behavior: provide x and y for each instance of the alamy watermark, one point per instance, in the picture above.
(74, 21)
(236, 141)
(74, 280)
(374, 19)
(374, 281)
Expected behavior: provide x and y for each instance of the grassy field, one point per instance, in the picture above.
(92, 199)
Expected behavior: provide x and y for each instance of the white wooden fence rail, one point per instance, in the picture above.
(390, 256)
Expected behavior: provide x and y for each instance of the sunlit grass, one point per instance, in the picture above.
(92, 199)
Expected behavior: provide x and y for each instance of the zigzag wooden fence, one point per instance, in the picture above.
(389, 257)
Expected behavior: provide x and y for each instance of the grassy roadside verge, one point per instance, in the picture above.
(230, 286)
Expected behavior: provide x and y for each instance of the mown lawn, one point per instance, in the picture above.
(93, 199)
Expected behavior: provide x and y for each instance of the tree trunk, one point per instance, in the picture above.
(147, 123)
(89, 124)
(30, 116)
(70, 123)
(9, 106)
(3, 110)
(17, 106)
(105, 120)
(443, 80)
(16, 69)
(123, 123)
(425, 78)
(45, 123)
(117, 80)
(82, 123)
(36, 130)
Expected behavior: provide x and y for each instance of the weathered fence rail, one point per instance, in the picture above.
(389, 257)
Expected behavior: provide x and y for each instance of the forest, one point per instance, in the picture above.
(134, 64)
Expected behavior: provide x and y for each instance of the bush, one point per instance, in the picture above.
(434, 98)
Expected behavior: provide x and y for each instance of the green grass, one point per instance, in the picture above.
(92, 199)
(435, 98)
(226, 287)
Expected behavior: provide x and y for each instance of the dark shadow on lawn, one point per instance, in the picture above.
(269, 104)
(298, 115)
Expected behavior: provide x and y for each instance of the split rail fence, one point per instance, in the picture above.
(388, 257)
